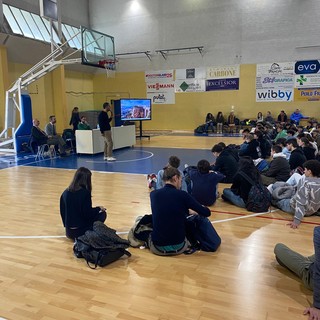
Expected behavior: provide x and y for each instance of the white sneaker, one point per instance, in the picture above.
(111, 159)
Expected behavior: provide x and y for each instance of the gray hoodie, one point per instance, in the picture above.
(306, 201)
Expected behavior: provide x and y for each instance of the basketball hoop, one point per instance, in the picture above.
(110, 67)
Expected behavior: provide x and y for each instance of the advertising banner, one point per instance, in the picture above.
(307, 94)
(162, 75)
(274, 68)
(307, 67)
(274, 95)
(222, 84)
(161, 92)
(190, 85)
(195, 73)
(162, 97)
(307, 81)
(274, 81)
(223, 72)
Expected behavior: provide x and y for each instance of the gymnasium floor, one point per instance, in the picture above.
(142, 160)
(41, 279)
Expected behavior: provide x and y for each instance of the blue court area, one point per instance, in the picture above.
(129, 160)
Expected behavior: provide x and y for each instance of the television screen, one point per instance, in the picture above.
(135, 109)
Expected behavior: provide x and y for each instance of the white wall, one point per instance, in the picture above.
(231, 31)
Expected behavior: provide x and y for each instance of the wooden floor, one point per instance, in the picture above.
(41, 279)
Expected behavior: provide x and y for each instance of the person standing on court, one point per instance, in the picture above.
(75, 118)
(104, 123)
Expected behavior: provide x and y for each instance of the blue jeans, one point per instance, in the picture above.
(233, 198)
(284, 205)
(207, 125)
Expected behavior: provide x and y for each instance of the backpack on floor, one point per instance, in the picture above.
(262, 165)
(201, 233)
(259, 198)
(140, 231)
(100, 246)
(200, 129)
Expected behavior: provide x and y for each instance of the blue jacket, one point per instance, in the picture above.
(296, 117)
(204, 185)
(170, 207)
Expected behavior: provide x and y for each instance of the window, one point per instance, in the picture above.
(11, 20)
(28, 24)
(33, 26)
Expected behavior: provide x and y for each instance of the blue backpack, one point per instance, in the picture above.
(262, 166)
(201, 233)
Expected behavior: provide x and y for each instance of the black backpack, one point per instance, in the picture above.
(140, 231)
(200, 129)
(100, 246)
(259, 198)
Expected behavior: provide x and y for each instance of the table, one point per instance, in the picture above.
(92, 142)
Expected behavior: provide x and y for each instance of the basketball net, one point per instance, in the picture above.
(110, 67)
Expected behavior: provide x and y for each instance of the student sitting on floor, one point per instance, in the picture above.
(209, 123)
(240, 188)
(204, 182)
(306, 198)
(226, 163)
(252, 149)
(279, 168)
(156, 181)
(306, 268)
(76, 209)
(170, 209)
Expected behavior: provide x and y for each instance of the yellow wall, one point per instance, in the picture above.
(79, 91)
(190, 109)
(51, 94)
(59, 92)
(40, 93)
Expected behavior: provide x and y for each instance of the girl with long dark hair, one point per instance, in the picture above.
(76, 209)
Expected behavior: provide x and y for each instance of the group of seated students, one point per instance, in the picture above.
(232, 123)
(220, 124)
(292, 177)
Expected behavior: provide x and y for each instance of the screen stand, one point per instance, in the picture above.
(140, 136)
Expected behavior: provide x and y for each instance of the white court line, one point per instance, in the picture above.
(31, 237)
(246, 216)
(44, 237)
(126, 232)
(118, 161)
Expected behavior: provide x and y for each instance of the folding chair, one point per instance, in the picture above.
(69, 137)
(42, 149)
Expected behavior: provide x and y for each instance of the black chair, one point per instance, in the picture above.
(69, 137)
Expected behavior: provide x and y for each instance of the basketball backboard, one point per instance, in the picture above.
(97, 49)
